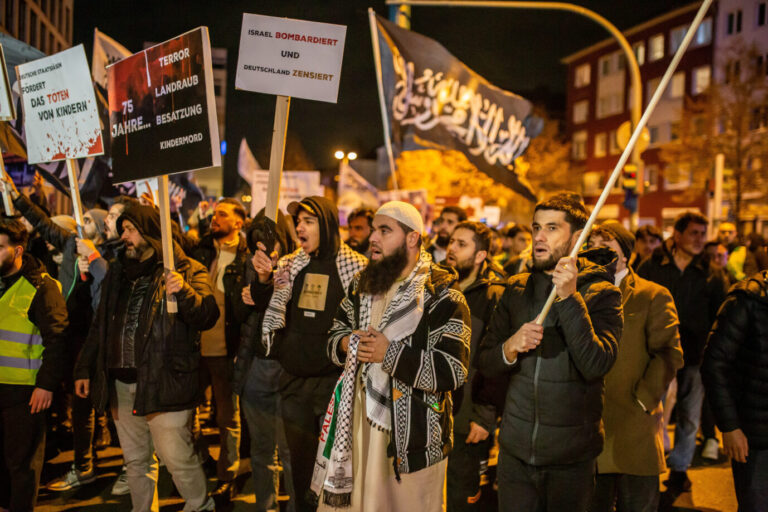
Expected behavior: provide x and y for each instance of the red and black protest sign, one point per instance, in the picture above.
(162, 111)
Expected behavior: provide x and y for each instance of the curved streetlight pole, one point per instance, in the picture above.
(634, 68)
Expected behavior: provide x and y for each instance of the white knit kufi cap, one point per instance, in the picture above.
(404, 213)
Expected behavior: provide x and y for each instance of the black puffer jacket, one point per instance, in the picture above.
(554, 400)
(735, 370)
(167, 346)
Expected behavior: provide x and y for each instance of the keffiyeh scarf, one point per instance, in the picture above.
(333, 465)
(348, 263)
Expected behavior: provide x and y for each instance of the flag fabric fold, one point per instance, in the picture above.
(434, 101)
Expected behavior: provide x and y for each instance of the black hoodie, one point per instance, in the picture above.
(301, 345)
(554, 400)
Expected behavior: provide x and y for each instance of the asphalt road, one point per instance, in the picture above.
(712, 487)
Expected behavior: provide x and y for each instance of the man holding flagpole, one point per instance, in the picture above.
(551, 427)
(402, 334)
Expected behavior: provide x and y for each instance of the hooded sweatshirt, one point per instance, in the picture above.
(317, 291)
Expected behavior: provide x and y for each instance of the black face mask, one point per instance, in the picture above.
(379, 276)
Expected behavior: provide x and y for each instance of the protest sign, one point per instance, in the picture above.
(295, 186)
(162, 110)
(7, 112)
(290, 57)
(60, 112)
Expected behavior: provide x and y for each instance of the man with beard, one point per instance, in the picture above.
(33, 323)
(551, 427)
(699, 288)
(225, 254)
(307, 287)
(446, 223)
(473, 423)
(403, 330)
(143, 360)
(360, 223)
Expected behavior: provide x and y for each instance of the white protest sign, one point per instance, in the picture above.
(289, 57)
(61, 116)
(7, 112)
(295, 186)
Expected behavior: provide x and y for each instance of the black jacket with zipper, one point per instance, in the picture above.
(554, 400)
(235, 312)
(167, 346)
(735, 369)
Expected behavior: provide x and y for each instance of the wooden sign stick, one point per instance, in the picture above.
(6, 195)
(277, 156)
(74, 189)
(167, 239)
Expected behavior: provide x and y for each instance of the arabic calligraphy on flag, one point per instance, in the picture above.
(434, 101)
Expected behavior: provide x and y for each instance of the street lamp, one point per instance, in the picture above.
(345, 157)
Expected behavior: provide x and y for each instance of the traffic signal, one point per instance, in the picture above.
(629, 177)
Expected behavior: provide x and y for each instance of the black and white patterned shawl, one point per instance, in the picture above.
(348, 263)
(333, 468)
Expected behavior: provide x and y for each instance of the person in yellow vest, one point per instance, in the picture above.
(33, 319)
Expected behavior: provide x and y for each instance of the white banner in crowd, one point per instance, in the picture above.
(7, 112)
(106, 51)
(295, 186)
(60, 111)
(289, 57)
(354, 192)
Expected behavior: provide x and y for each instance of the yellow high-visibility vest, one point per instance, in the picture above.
(21, 346)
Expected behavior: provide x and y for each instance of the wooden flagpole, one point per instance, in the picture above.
(630, 146)
(277, 155)
(380, 86)
(165, 231)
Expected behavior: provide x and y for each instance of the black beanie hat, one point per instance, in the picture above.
(623, 237)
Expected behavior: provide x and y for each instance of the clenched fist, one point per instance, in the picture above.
(525, 339)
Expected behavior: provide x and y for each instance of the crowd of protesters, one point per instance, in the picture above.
(380, 372)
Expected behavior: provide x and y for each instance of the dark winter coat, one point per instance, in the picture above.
(167, 346)
(735, 369)
(698, 291)
(554, 400)
(482, 297)
(235, 312)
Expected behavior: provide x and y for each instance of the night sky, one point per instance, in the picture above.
(517, 50)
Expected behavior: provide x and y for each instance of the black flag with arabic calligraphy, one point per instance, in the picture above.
(434, 101)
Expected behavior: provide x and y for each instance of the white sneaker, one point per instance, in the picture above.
(711, 449)
(73, 478)
(121, 484)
